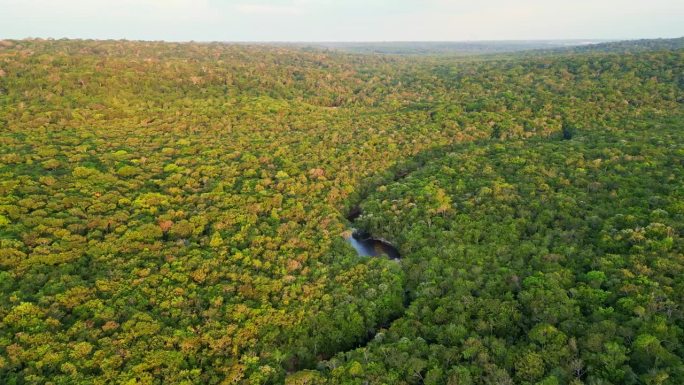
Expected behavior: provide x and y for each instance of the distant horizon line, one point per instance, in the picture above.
(593, 40)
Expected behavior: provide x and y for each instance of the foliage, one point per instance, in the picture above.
(171, 213)
(559, 261)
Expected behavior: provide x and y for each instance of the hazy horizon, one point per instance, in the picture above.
(354, 21)
(559, 40)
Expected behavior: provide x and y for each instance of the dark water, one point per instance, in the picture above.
(367, 246)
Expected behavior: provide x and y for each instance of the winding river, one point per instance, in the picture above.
(367, 246)
(364, 243)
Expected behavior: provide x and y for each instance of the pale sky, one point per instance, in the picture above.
(341, 20)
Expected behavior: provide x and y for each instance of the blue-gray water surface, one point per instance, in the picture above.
(369, 247)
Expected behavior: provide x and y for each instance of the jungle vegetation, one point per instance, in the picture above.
(172, 213)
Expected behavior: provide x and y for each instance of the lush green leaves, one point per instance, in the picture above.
(171, 213)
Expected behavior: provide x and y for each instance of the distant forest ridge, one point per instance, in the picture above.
(501, 46)
(457, 48)
(449, 47)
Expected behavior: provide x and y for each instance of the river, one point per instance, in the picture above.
(367, 246)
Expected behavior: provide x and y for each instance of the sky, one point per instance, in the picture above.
(341, 20)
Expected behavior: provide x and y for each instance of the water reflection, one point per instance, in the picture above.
(367, 246)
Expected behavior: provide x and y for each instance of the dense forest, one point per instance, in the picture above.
(482, 49)
(451, 48)
(174, 212)
(541, 261)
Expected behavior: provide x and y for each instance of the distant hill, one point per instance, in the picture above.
(628, 46)
(470, 48)
(448, 48)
